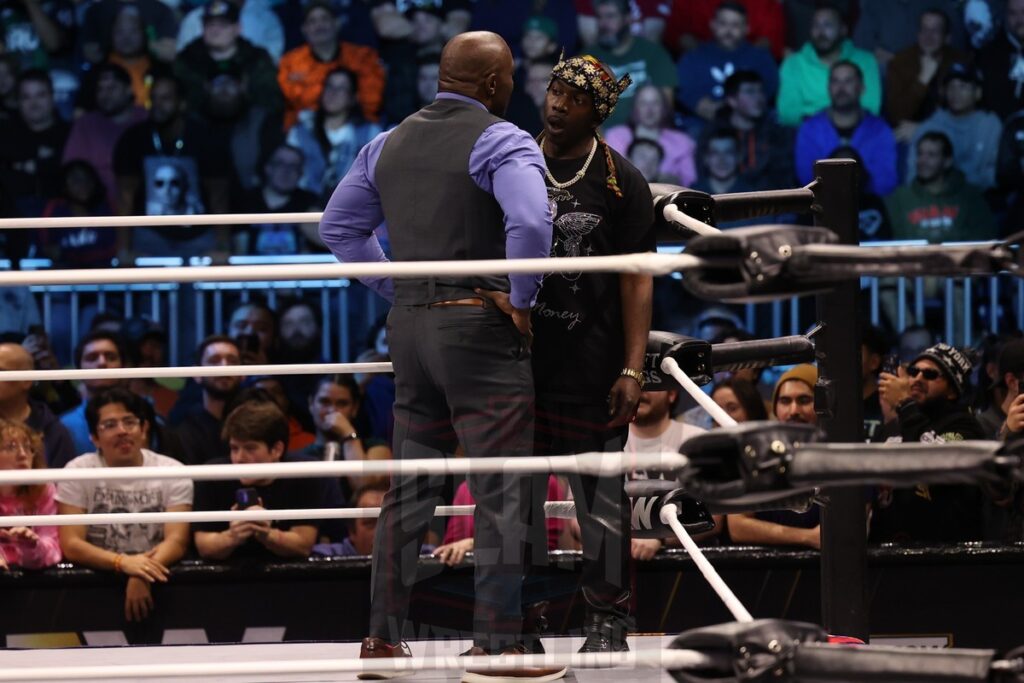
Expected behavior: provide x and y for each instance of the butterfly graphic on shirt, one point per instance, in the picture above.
(570, 231)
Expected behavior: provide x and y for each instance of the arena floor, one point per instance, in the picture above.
(193, 654)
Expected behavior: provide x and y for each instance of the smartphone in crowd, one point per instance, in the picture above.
(246, 498)
(891, 364)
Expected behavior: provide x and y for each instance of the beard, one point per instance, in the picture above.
(299, 350)
(217, 392)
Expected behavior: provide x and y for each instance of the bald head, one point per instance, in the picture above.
(14, 357)
(478, 64)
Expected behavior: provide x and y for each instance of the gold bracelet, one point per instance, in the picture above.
(117, 562)
(638, 375)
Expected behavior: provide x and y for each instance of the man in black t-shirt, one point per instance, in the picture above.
(591, 329)
(257, 433)
(171, 164)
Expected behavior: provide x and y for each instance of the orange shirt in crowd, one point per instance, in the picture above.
(138, 69)
(301, 77)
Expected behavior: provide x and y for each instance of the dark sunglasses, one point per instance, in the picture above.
(930, 374)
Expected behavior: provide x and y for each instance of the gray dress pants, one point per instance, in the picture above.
(462, 376)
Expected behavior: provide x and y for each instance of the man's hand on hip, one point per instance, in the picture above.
(520, 316)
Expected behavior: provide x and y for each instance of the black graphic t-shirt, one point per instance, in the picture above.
(577, 322)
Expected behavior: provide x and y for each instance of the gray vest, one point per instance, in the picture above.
(433, 209)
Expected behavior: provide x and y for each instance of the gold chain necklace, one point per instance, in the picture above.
(579, 174)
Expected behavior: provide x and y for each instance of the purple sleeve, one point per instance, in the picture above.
(507, 163)
(353, 213)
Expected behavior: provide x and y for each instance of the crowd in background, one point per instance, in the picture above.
(185, 107)
(152, 107)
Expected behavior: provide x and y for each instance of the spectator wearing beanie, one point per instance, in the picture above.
(927, 400)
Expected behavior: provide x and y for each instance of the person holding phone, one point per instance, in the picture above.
(927, 399)
(1011, 376)
(257, 432)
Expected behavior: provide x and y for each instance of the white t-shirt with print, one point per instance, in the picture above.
(668, 441)
(144, 495)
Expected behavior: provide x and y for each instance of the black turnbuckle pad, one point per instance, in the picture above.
(649, 496)
(692, 355)
(745, 464)
(699, 205)
(752, 264)
(760, 650)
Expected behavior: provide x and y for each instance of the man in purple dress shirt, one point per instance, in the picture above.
(454, 181)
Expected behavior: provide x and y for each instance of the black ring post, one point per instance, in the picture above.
(841, 410)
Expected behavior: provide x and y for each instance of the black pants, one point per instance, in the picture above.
(462, 375)
(602, 507)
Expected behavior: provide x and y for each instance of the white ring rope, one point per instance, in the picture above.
(597, 463)
(643, 659)
(673, 215)
(195, 371)
(716, 411)
(553, 509)
(650, 263)
(732, 603)
(157, 221)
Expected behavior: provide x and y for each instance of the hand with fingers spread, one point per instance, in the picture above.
(138, 600)
(520, 316)
(453, 553)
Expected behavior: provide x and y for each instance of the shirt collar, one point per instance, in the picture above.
(460, 98)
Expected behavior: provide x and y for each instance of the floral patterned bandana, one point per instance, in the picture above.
(590, 75)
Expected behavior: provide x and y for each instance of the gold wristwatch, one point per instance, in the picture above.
(638, 375)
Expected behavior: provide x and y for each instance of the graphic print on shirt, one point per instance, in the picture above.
(126, 538)
(570, 230)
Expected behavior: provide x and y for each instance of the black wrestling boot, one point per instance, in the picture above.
(535, 623)
(605, 633)
(606, 624)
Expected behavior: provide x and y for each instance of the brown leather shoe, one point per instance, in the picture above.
(378, 648)
(532, 674)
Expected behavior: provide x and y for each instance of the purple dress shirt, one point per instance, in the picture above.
(505, 162)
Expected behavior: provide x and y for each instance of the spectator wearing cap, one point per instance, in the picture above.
(540, 39)
(939, 205)
(973, 132)
(302, 71)
(259, 25)
(792, 402)
(221, 47)
(157, 21)
(95, 133)
(927, 398)
(1008, 418)
(914, 75)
